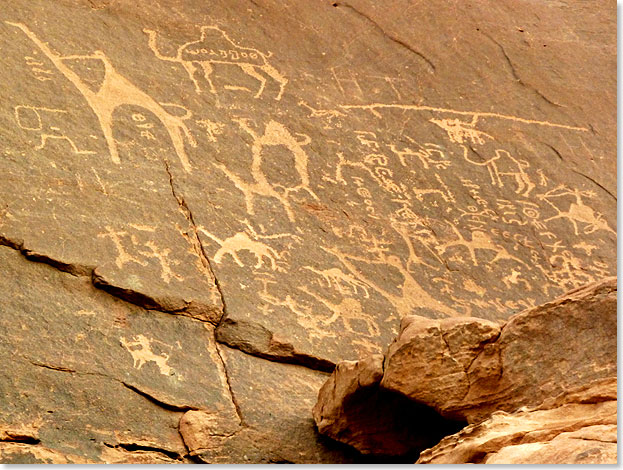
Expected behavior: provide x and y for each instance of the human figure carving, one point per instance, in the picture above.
(115, 91)
(43, 121)
(275, 134)
(480, 241)
(578, 212)
(411, 294)
(214, 46)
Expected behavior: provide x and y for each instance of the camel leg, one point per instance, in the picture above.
(250, 70)
(275, 75)
(190, 70)
(207, 73)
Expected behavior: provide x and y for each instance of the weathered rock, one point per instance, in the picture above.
(430, 360)
(297, 167)
(580, 426)
(467, 369)
(274, 401)
(90, 376)
(301, 176)
(354, 410)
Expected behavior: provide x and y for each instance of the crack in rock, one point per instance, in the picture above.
(195, 241)
(135, 447)
(177, 306)
(395, 40)
(516, 76)
(256, 340)
(147, 395)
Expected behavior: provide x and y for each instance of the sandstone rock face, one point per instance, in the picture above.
(202, 199)
(468, 368)
(578, 427)
(529, 388)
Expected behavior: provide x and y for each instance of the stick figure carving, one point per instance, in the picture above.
(115, 91)
(578, 212)
(214, 46)
(46, 122)
(480, 241)
(411, 294)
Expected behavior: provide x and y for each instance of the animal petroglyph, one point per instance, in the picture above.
(578, 212)
(411, 295)
(504, 165)
(247, 240)
(45, 122)
(329, 114)
(568, 270)
(429, 154)
(275, 134)
(480, 240)
(351, 313)
(341, 281)
(514, 278)
(214, 46)
(140, 349)
(242, 242)
(459, 131)
(115, 91)
(445, 193)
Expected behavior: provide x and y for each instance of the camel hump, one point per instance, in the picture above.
(217, 47)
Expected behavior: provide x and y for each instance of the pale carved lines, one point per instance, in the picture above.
(248, 240)
(115, 91)
(373, 107)
(214, 46)
(341, 281)
(275, 134)
(503, 164)
(140, 349)
(411, 295)
(480, 240)
(578, 211)
(44, 124)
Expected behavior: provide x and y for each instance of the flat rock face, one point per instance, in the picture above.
(291, 179)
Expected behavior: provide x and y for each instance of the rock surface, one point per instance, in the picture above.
(479, 372)
(187, 185)
(578, 427)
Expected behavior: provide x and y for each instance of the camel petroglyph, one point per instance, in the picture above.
(214, 46)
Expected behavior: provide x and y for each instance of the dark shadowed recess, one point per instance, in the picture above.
(395, 428)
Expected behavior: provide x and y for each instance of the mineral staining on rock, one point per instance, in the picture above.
(304, 189)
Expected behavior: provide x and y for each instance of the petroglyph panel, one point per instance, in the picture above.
(331, 193)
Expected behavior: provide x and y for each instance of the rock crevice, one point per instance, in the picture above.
(499, 380)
